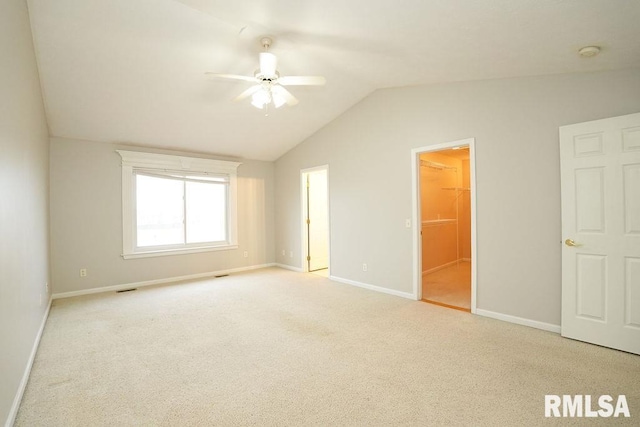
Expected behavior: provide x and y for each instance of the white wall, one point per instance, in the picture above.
(86, 221)
(24, 188)
(515, 123)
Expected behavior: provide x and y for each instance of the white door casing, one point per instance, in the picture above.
(600, 175)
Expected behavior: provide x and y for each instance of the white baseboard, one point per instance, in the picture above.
(157, 281)
(440, 267)
(519, 320)
(355, 283)
(27, 371)
(290, 267)
(373, 287)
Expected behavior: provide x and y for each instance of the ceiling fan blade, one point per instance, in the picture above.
(268, 64)
(279, 91)
(302, 80)
(247, 93)
(232, 77)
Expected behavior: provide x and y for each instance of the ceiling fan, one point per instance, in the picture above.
(268, 87)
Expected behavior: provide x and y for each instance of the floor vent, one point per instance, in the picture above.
(126, 290)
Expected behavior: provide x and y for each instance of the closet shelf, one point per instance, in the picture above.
(435, 222)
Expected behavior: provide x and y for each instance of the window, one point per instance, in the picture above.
(175, 204)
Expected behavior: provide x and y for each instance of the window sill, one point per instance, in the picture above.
(165, 252)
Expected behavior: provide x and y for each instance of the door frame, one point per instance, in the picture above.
(416, 217)
(303, 211)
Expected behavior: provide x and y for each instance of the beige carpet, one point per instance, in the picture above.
(274, 347)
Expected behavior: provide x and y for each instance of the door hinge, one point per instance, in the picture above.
(308, 221)
(308, 258)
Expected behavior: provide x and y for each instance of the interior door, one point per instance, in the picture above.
(318, 220)
(600, 172)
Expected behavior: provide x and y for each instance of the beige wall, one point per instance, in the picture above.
(515, 123)
(24, 189)
(86, 221)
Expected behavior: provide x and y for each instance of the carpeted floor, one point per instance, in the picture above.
(274, 347)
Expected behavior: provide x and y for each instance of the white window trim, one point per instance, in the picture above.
(139, 160)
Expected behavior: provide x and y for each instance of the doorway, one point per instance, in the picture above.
(444, 215)
(315, 224)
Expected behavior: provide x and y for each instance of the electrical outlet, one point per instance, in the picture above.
(283, 253)
(46, 286)
(246, 254)
(290, 254)
(83, 272)
(407, 223)
(364, 267)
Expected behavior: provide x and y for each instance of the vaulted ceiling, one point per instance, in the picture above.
(134, 71)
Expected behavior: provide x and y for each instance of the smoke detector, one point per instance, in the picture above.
(589, 51)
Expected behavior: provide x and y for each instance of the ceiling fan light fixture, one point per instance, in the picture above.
(257, 104)
(260, 98)
(278, 100)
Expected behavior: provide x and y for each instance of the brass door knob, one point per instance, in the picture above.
(571, 243)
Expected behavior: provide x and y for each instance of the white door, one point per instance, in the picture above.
(600, 172)
(318, 221)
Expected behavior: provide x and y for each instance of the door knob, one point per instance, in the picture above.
(571, 243)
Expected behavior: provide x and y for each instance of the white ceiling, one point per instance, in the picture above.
(132, 71)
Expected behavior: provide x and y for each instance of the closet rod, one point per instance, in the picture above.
(435, 165)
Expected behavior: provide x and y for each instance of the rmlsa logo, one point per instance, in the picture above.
(585, 406)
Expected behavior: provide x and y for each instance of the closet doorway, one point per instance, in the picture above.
(315, 224)
(445, 249)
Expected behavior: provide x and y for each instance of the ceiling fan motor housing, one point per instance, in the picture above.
(273, 79)
(268, 65)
